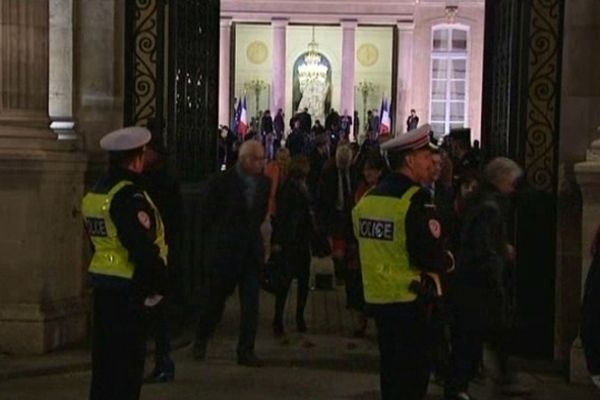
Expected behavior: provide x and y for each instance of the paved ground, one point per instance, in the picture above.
(320, 365)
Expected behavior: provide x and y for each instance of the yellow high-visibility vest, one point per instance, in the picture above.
(379, 226)
(110, 256)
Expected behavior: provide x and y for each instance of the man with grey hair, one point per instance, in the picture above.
(232, 214)
(482, 293)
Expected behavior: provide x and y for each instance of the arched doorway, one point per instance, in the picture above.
(313, 89)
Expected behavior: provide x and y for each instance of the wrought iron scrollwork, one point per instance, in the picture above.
(523, 97)
(545, 54)
(144, 60)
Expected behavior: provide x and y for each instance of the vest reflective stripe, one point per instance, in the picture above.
(110, 256)
(379, 226)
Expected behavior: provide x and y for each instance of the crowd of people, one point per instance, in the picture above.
(417, 230)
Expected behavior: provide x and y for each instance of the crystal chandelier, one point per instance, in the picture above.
(312, 69)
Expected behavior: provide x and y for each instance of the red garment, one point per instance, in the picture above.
(273, 171)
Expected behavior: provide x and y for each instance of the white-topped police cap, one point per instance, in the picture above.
(128, 138)
(411, 140)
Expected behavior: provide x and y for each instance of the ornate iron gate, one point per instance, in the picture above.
(144, 60)
(522, 64)
(193, 86)
(172, 47)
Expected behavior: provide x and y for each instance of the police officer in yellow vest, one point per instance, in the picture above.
(401, 247)
(128, 267)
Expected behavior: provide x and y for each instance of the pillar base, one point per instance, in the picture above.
(42, 268)
(39, 328)
(578, 372)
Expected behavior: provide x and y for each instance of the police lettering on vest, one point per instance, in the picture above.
(376, 229)
(96, 227)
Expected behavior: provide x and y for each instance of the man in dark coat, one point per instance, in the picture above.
(332, 121)
(232, 214)
(296, 141)
(466, 159)
(356, 124)
(412, 122)
(279, 126)
(318, 157)
(305, 121)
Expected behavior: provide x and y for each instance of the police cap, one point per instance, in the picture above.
(124, 139)
(412, 140)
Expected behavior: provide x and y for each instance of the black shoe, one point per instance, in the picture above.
(199, 352)
(250, 360)
(159, 377)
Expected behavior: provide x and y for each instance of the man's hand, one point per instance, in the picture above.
(511, 254)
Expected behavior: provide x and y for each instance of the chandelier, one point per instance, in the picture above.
(312, 70)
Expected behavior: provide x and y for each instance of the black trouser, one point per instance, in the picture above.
(297, 263)
(220, 287)
(403, 347)
(160, 327)
(467, 348)
(119, 346)
(301, 299)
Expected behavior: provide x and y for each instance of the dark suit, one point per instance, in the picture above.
(305, 121)
(233, 252)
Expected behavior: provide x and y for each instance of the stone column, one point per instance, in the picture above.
(60, 99)
(588, 177)
(279, 57)
(41, 290)
(348, 65)
(224, 72)
(404, 63)
(24, 67)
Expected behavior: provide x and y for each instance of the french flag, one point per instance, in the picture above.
(235, 120)
(385, 122)
(242, 128)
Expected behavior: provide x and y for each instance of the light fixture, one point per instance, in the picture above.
(312, 69)
(451, 10)
(451, 13)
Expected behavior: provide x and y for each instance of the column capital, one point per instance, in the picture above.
(279, 22)
(226, 22)
(349, 23)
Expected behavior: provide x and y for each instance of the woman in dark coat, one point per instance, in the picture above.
(292, 232)
(481, 292)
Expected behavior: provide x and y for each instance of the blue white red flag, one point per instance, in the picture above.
(385, 123)
(235, 121)
(243, 123)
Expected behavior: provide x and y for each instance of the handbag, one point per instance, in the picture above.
(273, 277)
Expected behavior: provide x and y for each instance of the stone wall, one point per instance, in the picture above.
(580, 116)
(62, 60)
